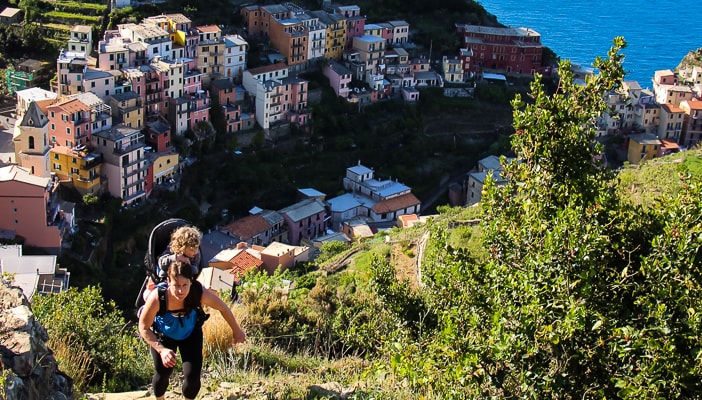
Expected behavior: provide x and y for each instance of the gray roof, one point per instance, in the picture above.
(125, 96)
(360, 169)
(96, 74)
(276, 8)
(339, 68)
(117, 132)
(303, 209)
(26, 268)
(223, 84)
(34, 117)
(158, 126)
(334, 236)
(480, 176)
(272, 217)
(310, 192)
(646, 138)
(490, 163)
(349, 201)
(215, 241)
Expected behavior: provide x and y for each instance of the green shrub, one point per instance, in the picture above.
(329, 250)
(118, 358)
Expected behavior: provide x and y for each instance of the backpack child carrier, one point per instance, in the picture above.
(159, 240)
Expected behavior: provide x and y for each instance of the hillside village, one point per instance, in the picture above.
(123, 109)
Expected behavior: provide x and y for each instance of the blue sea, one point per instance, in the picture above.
(659, 33)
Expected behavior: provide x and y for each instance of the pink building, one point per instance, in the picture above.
(355, 22)
(305, 220)
(388, 31)
(113, 52)
(192, 80)
(199, 108)
(339, 78)
(69, 123)
(29, 208)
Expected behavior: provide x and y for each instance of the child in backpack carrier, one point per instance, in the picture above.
(185, 247)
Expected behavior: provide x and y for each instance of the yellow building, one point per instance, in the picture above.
(77, 167)
(127, 109)
(335, 25)
(643, 147)
(336, 38)
(164, 165)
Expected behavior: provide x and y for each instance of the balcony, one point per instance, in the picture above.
(153, 98)
(138, 194)
(128, 148)
(89, 179)
(129, 173)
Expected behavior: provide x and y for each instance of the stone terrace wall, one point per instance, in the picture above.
(29, 369)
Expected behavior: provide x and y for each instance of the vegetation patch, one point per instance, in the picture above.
(72, 18)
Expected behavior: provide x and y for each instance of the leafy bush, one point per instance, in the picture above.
(118, 359)
(329, 250)
(581, 295)
(72, 18)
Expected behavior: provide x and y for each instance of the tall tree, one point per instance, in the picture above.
(581, 296)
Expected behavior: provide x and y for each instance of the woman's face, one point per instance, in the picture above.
(179, 287)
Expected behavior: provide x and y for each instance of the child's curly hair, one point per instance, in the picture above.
(185, 237)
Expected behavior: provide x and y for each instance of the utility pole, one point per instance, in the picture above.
(431, 44)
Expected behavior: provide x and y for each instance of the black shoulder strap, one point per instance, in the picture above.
(194, 296)
(162, 300)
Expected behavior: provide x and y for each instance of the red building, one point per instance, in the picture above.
(69, 123)
(158, 136)
(507, 50)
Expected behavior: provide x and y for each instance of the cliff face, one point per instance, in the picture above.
(28, 369)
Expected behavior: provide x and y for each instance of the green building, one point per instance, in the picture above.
(24, 76)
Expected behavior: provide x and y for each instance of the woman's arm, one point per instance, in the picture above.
(212, 300)
(146, 319)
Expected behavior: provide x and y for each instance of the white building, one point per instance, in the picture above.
(236, 49)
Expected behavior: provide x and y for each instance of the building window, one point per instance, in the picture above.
(31, 142)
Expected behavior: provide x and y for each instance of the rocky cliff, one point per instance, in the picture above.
(28, 369)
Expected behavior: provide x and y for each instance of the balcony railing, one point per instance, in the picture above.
(128, 148)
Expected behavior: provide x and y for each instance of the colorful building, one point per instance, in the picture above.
(508, 50)
(29, 207)
(78, 168)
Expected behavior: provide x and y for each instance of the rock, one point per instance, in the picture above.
(33, 370)
(331, 390)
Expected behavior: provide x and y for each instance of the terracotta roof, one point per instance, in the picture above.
(243, 262)
(208, 29)
(72, 106)
(248, 227)
(396, 203)
(669, 145)
(408, 220)
(670, 108)
(694, 104)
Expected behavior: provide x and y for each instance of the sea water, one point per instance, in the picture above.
(659, 33)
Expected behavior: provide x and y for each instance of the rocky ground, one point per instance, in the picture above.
(231, 391)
